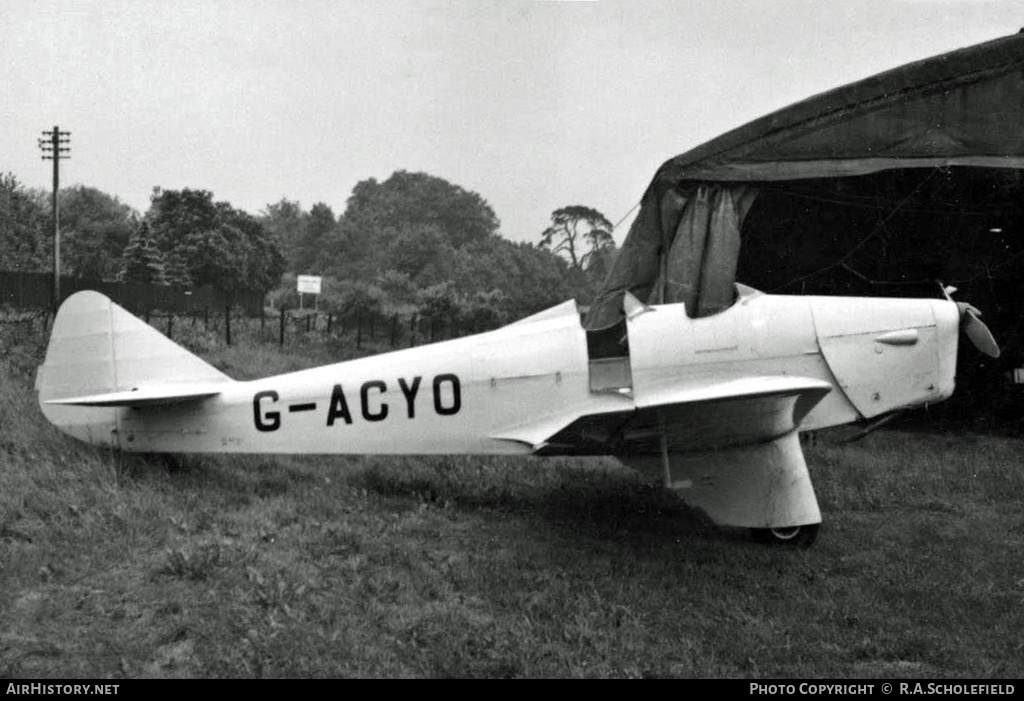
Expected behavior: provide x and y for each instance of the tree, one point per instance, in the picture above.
(176, 271)
(578, 232)
(285, 220)
(309, 250)
(221, 246)
(142, 261)
(261, 260)
(175, 213)
(420, 251)
(357, 297)
(416, 233)
(95, 228)
(440, 301)
(528, 278)
(211, 259)
(421, 199)
(397, 287)
(23, 223)
(484, 310)
(410, 222)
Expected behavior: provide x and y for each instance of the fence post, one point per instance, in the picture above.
(330, 322)
(263, 321)
(412, 330)
(281, 340)
(227, 324)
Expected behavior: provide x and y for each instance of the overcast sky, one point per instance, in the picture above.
(534, 105)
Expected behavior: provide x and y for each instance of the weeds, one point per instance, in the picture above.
(192, 563)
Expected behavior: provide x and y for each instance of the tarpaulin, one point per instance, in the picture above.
(962, 108)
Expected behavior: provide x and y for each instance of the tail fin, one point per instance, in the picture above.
(101, 358)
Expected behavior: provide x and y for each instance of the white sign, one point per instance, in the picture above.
(308, 284)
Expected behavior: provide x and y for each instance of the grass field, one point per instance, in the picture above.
(122, 566)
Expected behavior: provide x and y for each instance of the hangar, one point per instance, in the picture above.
(883, 187)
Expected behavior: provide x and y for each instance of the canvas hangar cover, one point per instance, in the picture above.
(846, 191)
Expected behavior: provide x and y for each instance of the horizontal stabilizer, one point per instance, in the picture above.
(148, 396)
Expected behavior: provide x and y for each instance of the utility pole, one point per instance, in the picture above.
(56, 148)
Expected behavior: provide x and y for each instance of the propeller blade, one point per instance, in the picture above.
(971, 325)
(976, 330)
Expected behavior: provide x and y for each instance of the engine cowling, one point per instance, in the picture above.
(889, 354)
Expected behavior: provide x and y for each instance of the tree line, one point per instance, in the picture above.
(413, 243)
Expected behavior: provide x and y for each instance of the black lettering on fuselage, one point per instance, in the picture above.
(456, 399)
(446, 390)
(265, 421)
(410, 394)
(364, 400)
(338, 407)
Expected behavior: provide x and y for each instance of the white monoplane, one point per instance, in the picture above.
(712, 406)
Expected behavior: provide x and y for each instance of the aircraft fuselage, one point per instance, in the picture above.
(509, 390)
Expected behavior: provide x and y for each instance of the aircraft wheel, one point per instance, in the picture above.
(793, 537)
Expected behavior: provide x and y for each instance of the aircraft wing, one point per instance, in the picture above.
(692, 418)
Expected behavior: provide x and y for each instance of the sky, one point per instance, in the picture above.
(533, 104)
